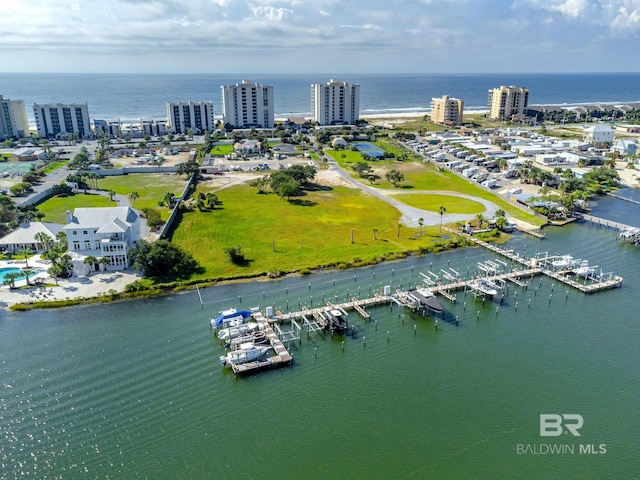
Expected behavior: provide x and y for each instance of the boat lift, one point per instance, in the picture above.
(451, 275)
(287, 336)
(430, 279)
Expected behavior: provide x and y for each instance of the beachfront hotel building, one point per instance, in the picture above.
(13, 119)
(57, 119)
(505, 102)
(194, 116)
(248, 105)
(335, 103)
(447, 111)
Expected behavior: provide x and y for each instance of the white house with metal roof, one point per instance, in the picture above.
(25, 237)
(108, 232)
(599, 134)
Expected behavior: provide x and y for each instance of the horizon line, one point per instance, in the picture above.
(321, 73)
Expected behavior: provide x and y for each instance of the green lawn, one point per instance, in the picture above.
(54, 208)
(345, 157)
(420, 176)
(151, 187)
(221, 150)
(433, 202)
(305, 236)
(55, 165)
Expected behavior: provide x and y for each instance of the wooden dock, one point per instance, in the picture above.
(601, 222)
(533, 233)
(620, 197)
(533, 269)
(282, 356)
(358, 308)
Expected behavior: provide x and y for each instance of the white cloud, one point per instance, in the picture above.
(616, 14)
(269, 13)
(443, 34)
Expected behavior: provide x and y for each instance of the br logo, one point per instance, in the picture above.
(554, 425)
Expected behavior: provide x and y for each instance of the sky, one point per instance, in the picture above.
(312, 36)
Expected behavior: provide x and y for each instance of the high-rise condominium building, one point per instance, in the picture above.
(335, 102)
(248, 105)
(194, 116)
(505, 102)
(55, 119)
(447, 110)
(13, 119)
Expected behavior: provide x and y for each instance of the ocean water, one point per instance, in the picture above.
(135, 390)
(131, 97)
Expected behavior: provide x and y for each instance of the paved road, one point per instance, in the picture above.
(410, 215)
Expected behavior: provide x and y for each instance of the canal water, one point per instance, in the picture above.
(135, 390)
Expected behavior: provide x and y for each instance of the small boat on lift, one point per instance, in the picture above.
(564, 261)
(484, 287)
(230, 318)
(427, 300)
(257, 338)
(247, 352)
(336, 320)
(240, 330)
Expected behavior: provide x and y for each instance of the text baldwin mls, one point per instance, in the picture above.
(554, 425)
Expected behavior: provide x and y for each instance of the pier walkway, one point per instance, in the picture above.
(601, 222)
(563, 276)
(620, 197)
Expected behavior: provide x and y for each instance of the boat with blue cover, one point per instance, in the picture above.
(230, 318)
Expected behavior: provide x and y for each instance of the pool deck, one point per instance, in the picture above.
(84, 286)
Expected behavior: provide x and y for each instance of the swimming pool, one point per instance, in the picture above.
(7, 270)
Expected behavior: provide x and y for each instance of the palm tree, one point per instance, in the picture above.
(421, 222)
(501, 222)
(91, 261)
(167, 199)
(95, 177)
(25, 252)
(111, 194)
(480, 219)
(104, 261)
(133, 196)
(501, 213)
(61, 238)
(441, 210)
(45, 240)
(10, 279)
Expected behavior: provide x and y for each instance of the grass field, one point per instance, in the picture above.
(221, 150)
(151, 188)
(305, 236)
(420, 176)
(54, 208)
(433, 202)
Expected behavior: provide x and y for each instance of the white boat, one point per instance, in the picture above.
(230, 318)
(247, 352)
(484, 287)
(237, 331)
(564, 261)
